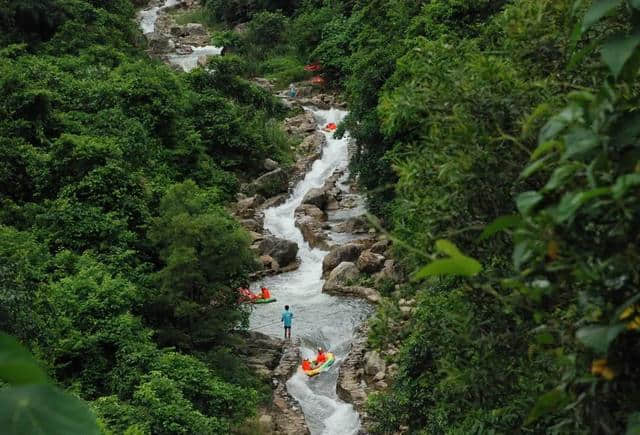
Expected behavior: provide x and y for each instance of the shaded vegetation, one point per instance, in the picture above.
(118, 261)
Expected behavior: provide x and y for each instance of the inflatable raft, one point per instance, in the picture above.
(323, 368)
(263, 301)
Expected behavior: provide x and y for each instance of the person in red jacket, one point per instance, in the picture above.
(322, 357)
(265, 293)
(306, 364)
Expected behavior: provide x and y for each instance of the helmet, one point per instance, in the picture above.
(319, 349)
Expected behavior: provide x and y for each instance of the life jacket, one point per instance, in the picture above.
(321, 357)
(265, 293)
(306, 365)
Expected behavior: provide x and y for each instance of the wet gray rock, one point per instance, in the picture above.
(195, 29)
(317, 197)
(271, 183)
(358, 291)
(340, 253)
(309, 219)
(351, 386)
(252, 225)
(373, 363)
(381, 247)
(391, 272)
(354, 225)
(270, 165)
(246, 207)
(370, 262)
(341, 275)
(312, 211)
(300, 125)
(160, 44)
(281, 250)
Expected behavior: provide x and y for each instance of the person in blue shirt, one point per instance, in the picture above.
(287, 316)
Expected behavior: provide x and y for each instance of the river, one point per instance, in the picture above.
(319, 319)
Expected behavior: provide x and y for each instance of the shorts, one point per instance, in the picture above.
(287, 327)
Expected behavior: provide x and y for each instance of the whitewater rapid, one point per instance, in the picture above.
(319, 319)
(186, 61)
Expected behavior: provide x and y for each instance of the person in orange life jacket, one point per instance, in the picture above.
(265, 293)
(306, 364)
(322, 357)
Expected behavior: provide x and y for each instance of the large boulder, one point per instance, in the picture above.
(312, 231)
(270, 165)
(312, 211)
(390, 272)
(381, 247)
(373, 363)
(301, 124)
(358, 291)
(195, 29)
(317, 197)
(246, 207)
(340, 253)
(353, 225)
(281, 250)
(341, 275)
(160, 44)
(252, 225)
(271, 183)
(370, 262)
(313, 143)
(310, 220)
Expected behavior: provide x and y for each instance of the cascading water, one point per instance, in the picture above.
(186, 61)
(148, 17)
(319, 319)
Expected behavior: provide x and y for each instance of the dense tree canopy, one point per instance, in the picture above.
(115, 244)
(498, 143)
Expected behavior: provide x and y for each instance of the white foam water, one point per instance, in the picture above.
(319, 319)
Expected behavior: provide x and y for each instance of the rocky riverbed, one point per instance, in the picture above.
(330, 217)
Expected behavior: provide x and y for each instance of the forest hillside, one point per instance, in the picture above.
(498, 145)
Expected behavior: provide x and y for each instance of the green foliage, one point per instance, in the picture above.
(106, 249)
(266, 29)
(205, 255)
(28, 404)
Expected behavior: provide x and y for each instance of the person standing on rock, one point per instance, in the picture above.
(287, 317)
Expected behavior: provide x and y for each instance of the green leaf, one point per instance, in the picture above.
(633, 423)
(624, 183)
(628, 128)
(598, 10)
(40, 409)
(618, 50)
(544, 148)
(460, 265)
(560, 175)
(522, 252)
(534, 167)
(578, 141)
(545, 338)
(526, 201)
(448, 248)
(500, 224)
(17, 366)
(546, 404)
(599, 338)
(572, 201)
